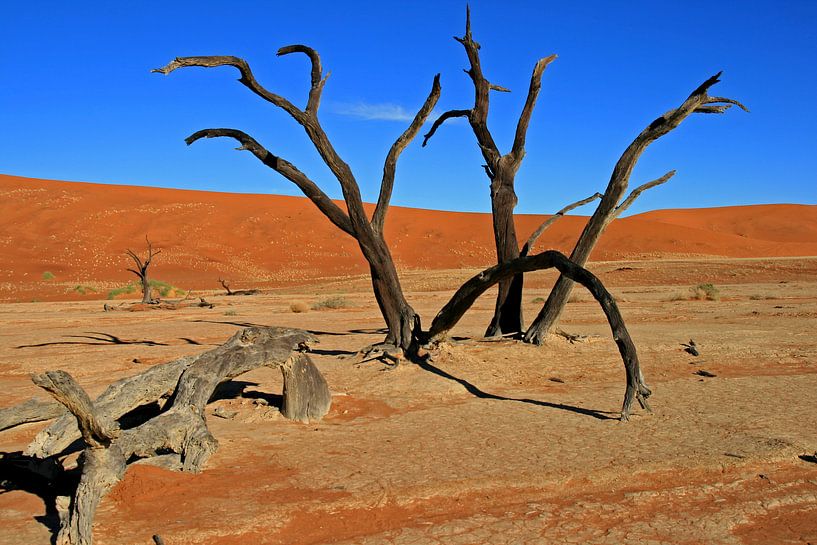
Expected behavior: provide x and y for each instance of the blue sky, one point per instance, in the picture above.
(78, 101)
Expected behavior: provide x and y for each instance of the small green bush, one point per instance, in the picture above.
(332, 303)
(48, 275)
(538, 300)
(116, 292)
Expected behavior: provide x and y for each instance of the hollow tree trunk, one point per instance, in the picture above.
(507, 319)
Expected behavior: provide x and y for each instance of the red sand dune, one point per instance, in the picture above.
(79, 232)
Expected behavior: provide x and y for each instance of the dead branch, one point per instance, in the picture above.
(625, 204)
(468, 293)
(390, 166)
(551, 220)
(617, 186)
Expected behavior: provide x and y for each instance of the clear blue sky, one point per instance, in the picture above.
(78, 101)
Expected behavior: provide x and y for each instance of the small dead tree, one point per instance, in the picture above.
(141, 270)
(401, 320)
(501, 170)
(611, 205)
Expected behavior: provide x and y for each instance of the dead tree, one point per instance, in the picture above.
(226, 286)
(501, 170)
(178, 437)
(611, 205)
(141, 270)
(401, 319)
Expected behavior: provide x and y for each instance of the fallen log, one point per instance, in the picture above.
(180, 431)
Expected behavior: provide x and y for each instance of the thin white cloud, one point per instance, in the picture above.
(374, 112)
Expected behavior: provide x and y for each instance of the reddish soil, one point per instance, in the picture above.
(493, 442)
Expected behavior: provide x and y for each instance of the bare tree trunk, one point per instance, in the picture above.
(698, 102)
(501, 170)
(507, 319)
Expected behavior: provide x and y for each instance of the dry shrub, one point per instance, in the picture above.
(701, 292)
(332, 302)
(298, 307)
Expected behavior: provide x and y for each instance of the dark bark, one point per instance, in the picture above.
(179, 431)
(501, 170)
(698, 102)
(226, 286)
(400, 318)
(141, 270)
(462, 300)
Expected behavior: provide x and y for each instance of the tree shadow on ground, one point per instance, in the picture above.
(44, 478)
(94, 338)
(475, 391)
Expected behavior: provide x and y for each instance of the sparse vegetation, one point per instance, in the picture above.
(538, 300)
(82, 290)
(298, 306)
(163, 288)
(701, 292)
(48, 275)
(230, 313)
(706, 292)
(332, 303)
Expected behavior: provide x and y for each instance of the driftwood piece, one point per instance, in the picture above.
(462, 300)
(182, 428)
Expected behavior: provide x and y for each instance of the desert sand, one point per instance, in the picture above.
(493, 441)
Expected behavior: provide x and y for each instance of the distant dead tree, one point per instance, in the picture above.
(501, 171)
(225, 284)
(141, 270)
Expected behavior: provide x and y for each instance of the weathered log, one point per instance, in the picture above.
(462, 300)
(181, 429)
(118, 399)
(306, 394)
(33, 410)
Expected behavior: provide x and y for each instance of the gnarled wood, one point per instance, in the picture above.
(181, 428)
(33, 410)
(226, 286)
(400, 318)
(462, 300)
(698, 102)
